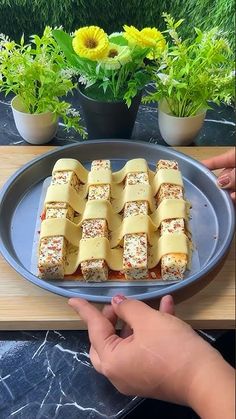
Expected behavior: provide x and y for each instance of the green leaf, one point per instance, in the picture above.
(65, 42)
(177, 24)
(118, 40)
(22, 40)
(198, 31)
(63, 39)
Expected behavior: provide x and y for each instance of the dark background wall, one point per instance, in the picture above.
(31, 16)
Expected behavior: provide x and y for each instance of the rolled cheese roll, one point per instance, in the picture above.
(53, 250)
(52, 257)
(173, 265)
(96, 270)
(135, 256)
(66, 177)
(59, 210)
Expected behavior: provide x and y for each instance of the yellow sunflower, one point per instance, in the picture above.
(91, 42)
(147, 37)
(158, 42)
(132, 34)
(153, 38)
(116, 57)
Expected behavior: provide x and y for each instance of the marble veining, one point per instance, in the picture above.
(49, 375)
(219, 121)
(218, 128)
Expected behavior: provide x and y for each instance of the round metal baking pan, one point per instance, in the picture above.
(212, 215)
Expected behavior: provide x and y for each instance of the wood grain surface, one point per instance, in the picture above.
(208, 304)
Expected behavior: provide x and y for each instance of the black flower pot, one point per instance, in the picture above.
(109, 119)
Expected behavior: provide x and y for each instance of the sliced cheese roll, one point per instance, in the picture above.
(135, 208)
(135, 256)
(52, 259)
(96, 270)
(94, 228)
(135, 178)
(66, 177)
(99, 192)
(173, 265)
(100, 164)
(59, 210)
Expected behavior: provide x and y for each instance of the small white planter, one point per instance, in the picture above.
(34, 128)
(177, 130)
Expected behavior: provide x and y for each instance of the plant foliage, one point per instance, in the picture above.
(35, 73)
(190, 74)
(122, 71)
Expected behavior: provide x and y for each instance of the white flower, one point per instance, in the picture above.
(84, 80)
(68, 73)
(4, 37)
(73, 112)
(20, 69)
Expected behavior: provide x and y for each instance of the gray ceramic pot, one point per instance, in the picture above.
(178, 131)
(34, 128)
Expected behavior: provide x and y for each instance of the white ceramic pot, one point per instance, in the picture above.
(177, 130)
(34, 128)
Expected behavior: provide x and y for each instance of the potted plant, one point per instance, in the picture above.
(187, 76)
(34, 73)
(112, 72)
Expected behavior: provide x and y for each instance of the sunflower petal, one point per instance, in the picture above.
(91, 42)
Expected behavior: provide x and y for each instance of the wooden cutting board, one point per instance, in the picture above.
(209, 304)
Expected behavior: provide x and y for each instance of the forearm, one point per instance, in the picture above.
(213, 392)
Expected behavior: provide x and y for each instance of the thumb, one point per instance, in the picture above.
(227, 180)
(132, 312)
(167, 305)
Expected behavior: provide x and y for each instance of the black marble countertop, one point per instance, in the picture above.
(48, 374)
(45, 375)
(218, 128)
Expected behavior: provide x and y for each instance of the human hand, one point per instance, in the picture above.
(226, 178)
(157, 355)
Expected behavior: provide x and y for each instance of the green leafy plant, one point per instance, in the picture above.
(34, 72)
(111, 67)
(190, 74)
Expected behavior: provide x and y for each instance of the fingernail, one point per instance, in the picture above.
(169, 298)
(224, 180)
(117, 299)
